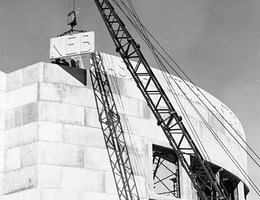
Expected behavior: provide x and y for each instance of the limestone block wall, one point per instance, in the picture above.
(2, 126)
(52, 147)
(20, 136)
(126, 88)
(49, 147)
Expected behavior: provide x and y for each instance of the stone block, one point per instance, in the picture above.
(215, 121)
(28, 93)
(96, 158)
(146, 111)
(50, 153)
(50, 92)
(2, 100)
(130, 90)
(134, 125)
(54, 73)
(73, 155)
(50, 131)
(2, 140)
(82, 135)
(117, 83)
(49, 176)
(137, 144)
(29, 133)
(75, 134)
(58, 194)
(29, 154)
(202, 110)
(21, 135)
(14, 80)
(142, 127)
(99, 196)
(3, 77)
(33, 73)
(23, 195)
(21, 116)
(61, 93)
(110, 187)
(1, 184)
(91, 118)
(2, 120)
(13, 118)
(30, 113)
(140, 164)
(153, 132)
(64, 113)
(128, 105)
(13, 159)
(81, 179)
(2, 161)
(12, 138)
(142, 186)
(19, 180)
(90, 98)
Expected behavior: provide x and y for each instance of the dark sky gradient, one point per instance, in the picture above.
(217, 42)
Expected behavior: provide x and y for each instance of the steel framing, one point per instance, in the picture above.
(112, 131)
(162, 158)
(167, 117)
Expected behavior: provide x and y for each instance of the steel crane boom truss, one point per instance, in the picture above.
(171, 123)
(112, 131)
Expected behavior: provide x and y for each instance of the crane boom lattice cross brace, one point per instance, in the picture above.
(113, 132)
(167, 118)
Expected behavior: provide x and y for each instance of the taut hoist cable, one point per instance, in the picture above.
(149, 44)
(144, 37)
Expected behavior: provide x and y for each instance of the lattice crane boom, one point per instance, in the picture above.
(113, 132)
(156, 98)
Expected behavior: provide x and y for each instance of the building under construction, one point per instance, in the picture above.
(114, 128)
(53, 147)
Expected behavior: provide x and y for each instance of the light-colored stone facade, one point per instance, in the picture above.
(52, 147)
(49, 150)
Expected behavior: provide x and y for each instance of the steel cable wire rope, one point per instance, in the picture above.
(136, 17)
(198, 90)
(195, 135)
(209, 168)
(237, 164)
(115, 86)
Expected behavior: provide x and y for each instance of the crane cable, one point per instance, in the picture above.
(136, 17)
(195, 136)
(73, 6)
(232, 158)
(229, 152)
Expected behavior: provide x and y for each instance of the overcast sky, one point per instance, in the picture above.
(217, 42)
